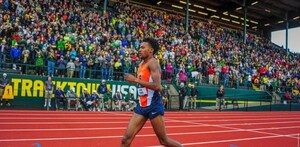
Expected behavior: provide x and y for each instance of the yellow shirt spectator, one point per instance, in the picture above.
(295, 92)
(265, 80)
(118, 64)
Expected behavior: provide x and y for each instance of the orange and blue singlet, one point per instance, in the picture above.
(150, 102)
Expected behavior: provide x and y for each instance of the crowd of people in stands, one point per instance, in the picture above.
(73, 40)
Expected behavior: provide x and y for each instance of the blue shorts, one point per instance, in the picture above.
(151, 111)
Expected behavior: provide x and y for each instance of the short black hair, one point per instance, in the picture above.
(154, 44)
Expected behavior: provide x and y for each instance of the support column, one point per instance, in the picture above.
(245, 24)
(104, 8)
(286, 31)
(187, 16)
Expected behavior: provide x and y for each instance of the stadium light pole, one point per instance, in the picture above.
(187, 17)
(287, 31)
(104, 8)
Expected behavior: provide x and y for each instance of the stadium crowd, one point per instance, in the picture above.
(65, 38)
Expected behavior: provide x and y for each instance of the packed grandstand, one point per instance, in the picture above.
(74, 40)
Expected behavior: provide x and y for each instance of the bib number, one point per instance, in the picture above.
(142, 91)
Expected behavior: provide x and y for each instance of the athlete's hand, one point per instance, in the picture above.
(130, 78)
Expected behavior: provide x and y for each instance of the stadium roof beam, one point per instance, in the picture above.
(233, 6)
(288, 6)
(191, 6)
(273, 10)
(199, 5)
(273, 21)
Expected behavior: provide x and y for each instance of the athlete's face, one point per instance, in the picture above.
(145, 50)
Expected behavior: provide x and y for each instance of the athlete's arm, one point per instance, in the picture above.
(155, 74)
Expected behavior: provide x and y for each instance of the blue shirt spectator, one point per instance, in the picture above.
(102, 88)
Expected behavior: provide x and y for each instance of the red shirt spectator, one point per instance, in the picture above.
(17, 37)
(65, 17)
(211, 70)
(224, 69)
(159, 32)
(134, 58)
(261, 70)
(288, 96)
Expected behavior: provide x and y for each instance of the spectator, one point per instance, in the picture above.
(130, 101)
(61, 67)
(85, 100)
(118, 69)
(127, 65)
(182, 95)
(70, 68)
(72, 97)
(48, 91)
(77, 67)
(95, 98)
(15, 54)
(3, 83)
(289, 97)
(3, 50)
(194, 95)
(117, 101)
(182, 77)
(169, 70)
(102, 91)
(39, 63)
(51, 63)
(165, 95)
(110, 70)
(220, 98)
(211, 72)
(60, 97)
(83, 62)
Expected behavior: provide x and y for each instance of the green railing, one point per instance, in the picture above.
(248, 104)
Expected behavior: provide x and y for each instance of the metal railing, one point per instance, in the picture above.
(246, 104)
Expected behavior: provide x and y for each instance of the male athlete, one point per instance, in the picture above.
(150, 102)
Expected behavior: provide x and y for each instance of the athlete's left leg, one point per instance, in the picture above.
(158, 125)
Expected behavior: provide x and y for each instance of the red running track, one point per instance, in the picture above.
(105, 129)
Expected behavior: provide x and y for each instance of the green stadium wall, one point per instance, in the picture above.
(29, 91)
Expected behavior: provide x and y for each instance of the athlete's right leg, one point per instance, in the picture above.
(135, 125)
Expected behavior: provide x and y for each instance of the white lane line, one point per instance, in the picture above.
(226, 127)
(262, 123)
(243, 119)
(64, 118)
(5, 112)
(63, 122)
(144, 135)
(122, 128)
(167, 121)
(84, 129)
(126, 116)
(231, 140)
(108, 137)
(47, 123)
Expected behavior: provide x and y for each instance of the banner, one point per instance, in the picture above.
(32, 86)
